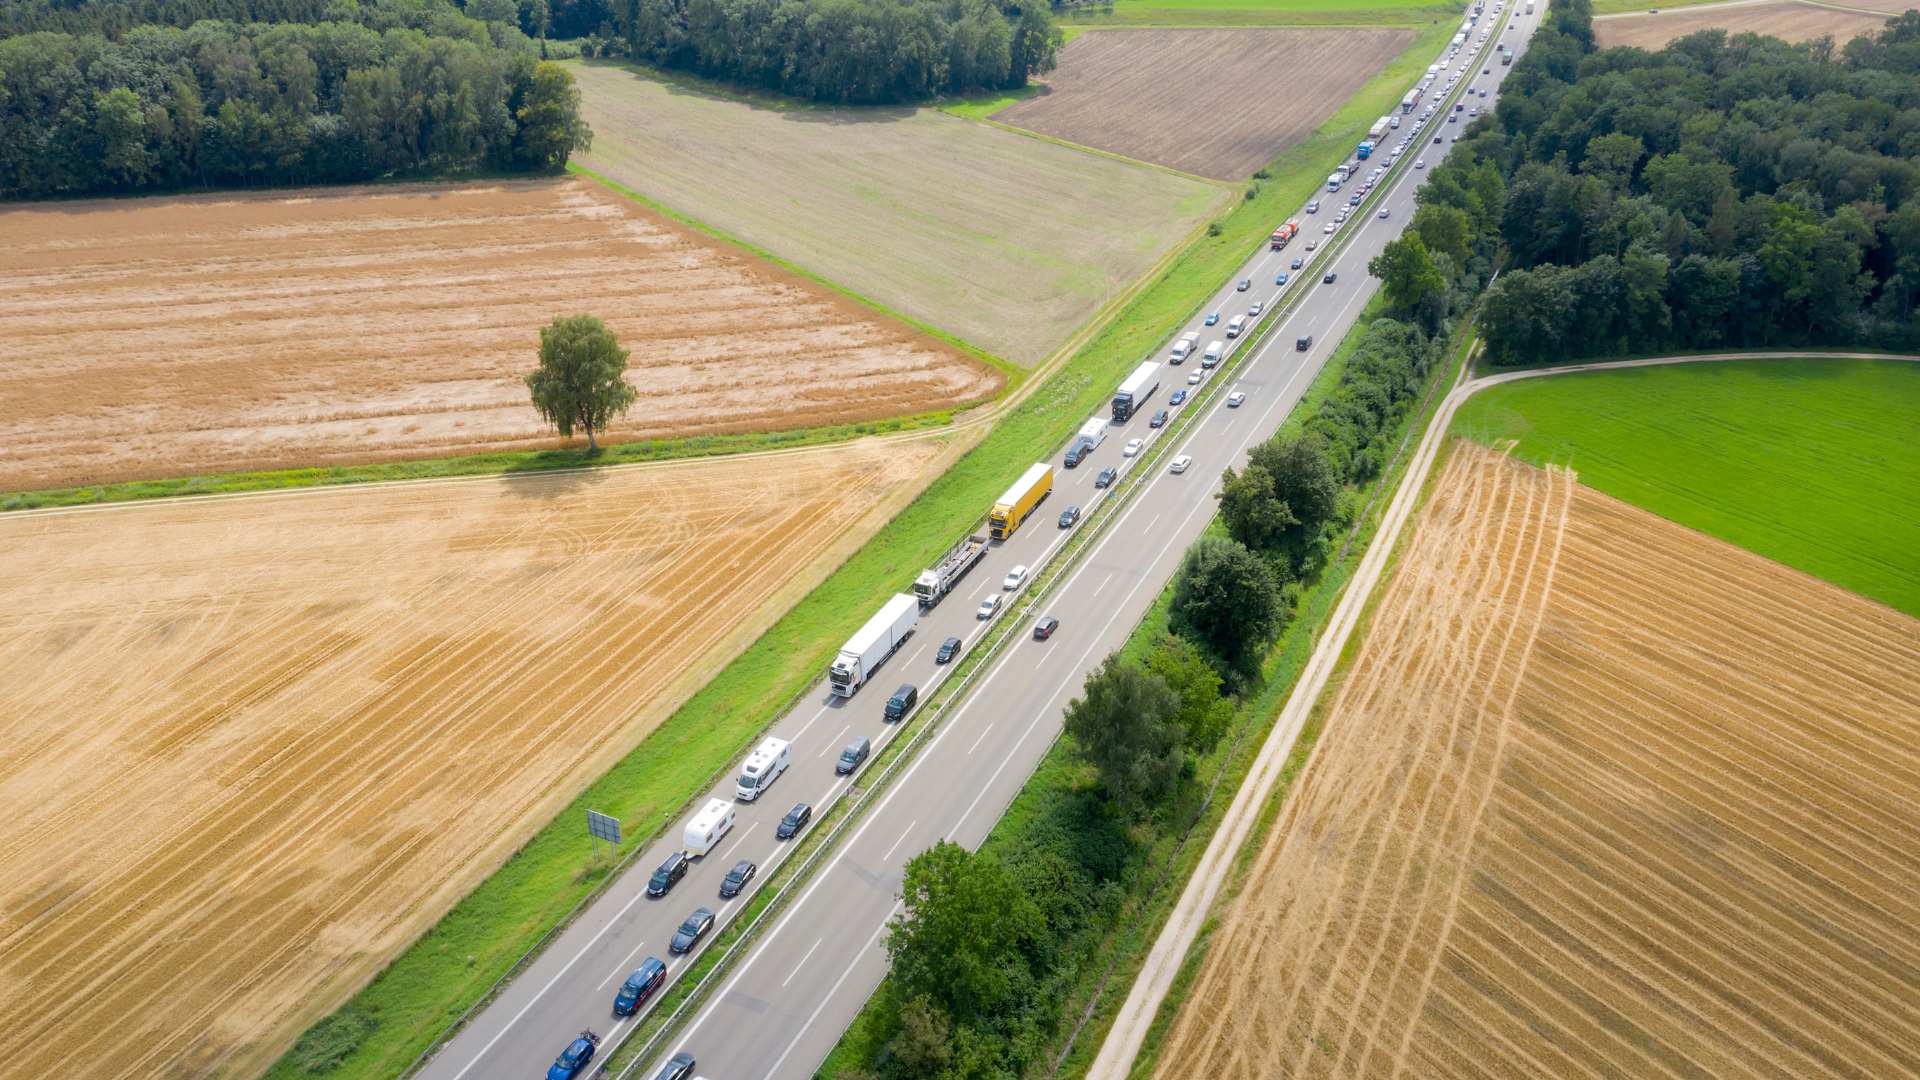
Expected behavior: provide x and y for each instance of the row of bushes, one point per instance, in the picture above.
(223, 104)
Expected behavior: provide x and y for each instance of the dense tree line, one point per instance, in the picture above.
(226, 104)
(1724, 192)
(848, 51)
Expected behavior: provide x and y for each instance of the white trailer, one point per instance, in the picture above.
(934, 584)
(713, 821)
(1087, 439)
(1138, 388)
(867, 649)
(762, 768)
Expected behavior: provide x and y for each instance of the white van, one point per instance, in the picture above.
(713, 821)
(763, 767)
(1235, 325)
(1215, 350)
(1185, 346)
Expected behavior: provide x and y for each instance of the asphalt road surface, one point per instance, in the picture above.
(779, 1012)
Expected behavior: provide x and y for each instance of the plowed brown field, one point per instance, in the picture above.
(1777, 18)
(1600, 796)
(255, 745)
(210, 333)
(1216, 103)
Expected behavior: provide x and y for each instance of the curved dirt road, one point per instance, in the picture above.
(1129, 1030)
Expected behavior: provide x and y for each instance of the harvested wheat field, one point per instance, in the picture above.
(1006, 241)
(212, 333)
(255, 745)
(1600, 796)
(1217, 103)
(1783, 19)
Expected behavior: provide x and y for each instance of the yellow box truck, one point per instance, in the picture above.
(1013, 507)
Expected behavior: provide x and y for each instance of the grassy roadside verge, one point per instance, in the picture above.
(499, 463)
(389, 1022)
(1165, 853)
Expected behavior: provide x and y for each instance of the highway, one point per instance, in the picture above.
(780, 1011)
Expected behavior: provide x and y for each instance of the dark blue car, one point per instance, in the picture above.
(573, 1060)
(639, 987)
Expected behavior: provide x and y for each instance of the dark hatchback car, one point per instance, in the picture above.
(949, 649)
(1330, 278)
(795, 820)
(691, 931)
(669, 874)
(678, 1067)
(1106, 477)
(855, 753)
(737, 879)
(1178, 397)
(573, 1060)
(1044, 629)
(639, 986)
(1159, 419)
(1069, 516)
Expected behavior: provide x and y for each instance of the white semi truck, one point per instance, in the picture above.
(937, 582)
(867, 649)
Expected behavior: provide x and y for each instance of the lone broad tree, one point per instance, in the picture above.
(580, 383)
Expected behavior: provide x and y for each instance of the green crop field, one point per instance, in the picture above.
(1812, 463)
(1007, 242)
(1261, 13)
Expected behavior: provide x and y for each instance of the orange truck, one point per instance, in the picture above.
(1282, 234)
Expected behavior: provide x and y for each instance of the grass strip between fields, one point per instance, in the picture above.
(380, 1031)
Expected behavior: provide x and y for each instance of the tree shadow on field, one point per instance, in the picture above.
(798, 110)
(547, 486)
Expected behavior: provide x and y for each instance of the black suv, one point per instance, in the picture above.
(1106, 477)
(669, 874)
(1303, 343)
(795, 820)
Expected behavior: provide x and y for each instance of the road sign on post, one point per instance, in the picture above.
(602, 827)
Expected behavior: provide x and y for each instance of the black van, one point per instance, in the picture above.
(1304, 343)
(902, 701)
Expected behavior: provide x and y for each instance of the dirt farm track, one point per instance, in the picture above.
(217, 333)
(1599, 796)
(254, 745)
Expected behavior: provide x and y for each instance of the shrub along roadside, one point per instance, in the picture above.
(1090, 843)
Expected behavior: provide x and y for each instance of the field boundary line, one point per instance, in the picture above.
(1130, 1026)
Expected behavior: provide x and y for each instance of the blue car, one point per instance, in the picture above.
(1280, 278)
(1213, 318)
(639, 987)
(1177, 397)
(573, 1060)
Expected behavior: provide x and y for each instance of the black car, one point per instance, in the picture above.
(1303, 343)
(669, 874)
(855, 753)
(1068, 516)
(678, 1067)
(1178, 397)
(902, 702)
(1044, 629)
(949, 649)
(795, 820)
(639, 987)
(1328, 280)
(1159, 419)
(691, 931)
(1106, 477)
(737, 878)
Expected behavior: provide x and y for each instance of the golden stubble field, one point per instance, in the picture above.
(255, 745)
(210, 333)
(1600, 796)
(1784, 19)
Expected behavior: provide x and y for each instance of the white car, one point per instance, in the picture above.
(1383, 213)
(1420, 163)
(1193, 379)
(1015, 577)
(1180, 463)
(988, 606)
(1133, 445)
(1236, 399)
(1329, 228)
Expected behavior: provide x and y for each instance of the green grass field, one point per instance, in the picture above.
(1008, 243)
(1261, 13)
(1812, 463)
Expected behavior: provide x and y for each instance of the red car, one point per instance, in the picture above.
(1044, 629)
